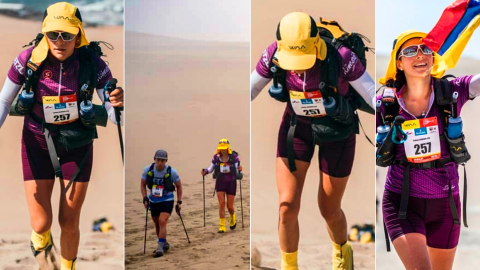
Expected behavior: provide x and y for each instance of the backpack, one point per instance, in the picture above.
(231, 161)
(167, 178)
(329, 128)
(88, 79)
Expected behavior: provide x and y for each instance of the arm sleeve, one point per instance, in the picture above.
(8, 94)
(474, 87)
(257, 83)
(366, 88)
(210, 168)
(104, 75)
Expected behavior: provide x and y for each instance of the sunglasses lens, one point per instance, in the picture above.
(425, 49)
(67, 36)
(410, 51)
(52, 35)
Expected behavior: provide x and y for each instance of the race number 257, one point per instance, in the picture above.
(61, 117)
(311, 112)
(422, 148)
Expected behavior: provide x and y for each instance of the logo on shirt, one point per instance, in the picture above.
(445, 188)
(47, 74)
(102, 73)
(265, 57)
(18, 65)
(351, 65)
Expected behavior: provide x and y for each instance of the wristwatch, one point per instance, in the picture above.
(179, 202)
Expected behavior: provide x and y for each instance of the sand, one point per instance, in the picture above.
(105, 196)
(188, 95)
(467, 250)
(358, 203)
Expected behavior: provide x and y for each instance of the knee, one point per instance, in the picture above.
(288, 212)
(163, 222)
(41, 225)
(68, 224)
(231, 209)
(329, 213)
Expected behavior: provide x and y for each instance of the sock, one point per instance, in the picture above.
(162, 240)
(68, 265)
(40, 241)
(289, 261)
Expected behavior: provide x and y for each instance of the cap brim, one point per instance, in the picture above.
(222, 147)
(51, 26)
(296, 62)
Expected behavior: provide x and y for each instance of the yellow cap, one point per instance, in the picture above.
(298, 42)
(224, 144)
(60, 16)
(399, 41)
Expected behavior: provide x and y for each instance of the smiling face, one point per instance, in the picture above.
(418, 66)
(62, 49)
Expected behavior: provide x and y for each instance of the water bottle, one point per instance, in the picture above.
(382, 132)
(25, 102)
(455, 126)
(330, 106)
(87, 114)
(276, 90)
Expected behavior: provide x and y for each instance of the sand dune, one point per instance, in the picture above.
(105, 196)
(188, 95)
(358, 202)
(467, 250)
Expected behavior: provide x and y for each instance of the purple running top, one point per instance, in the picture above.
(56, 78)
(351, 70)
(428, 183)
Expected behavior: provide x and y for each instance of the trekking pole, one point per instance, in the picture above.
(213, 192)
(203, 201)
(146, 223)
(184, 227)
(241, 200)
(110, 87)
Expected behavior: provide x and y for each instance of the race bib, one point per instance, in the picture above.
(423, 142)
(307, 103)
(157, 191)
(60, 109)
(224, 168)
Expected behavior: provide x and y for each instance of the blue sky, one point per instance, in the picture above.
(394, 17)
(225, 20)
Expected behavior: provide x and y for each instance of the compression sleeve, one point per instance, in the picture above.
(257, 83)
(9, 92)
(366, 88)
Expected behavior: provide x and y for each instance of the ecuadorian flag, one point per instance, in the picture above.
(451, 34)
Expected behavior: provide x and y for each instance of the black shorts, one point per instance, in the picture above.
(157, 208)
(335, 158)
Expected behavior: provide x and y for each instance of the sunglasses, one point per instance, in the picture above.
(161, 160)
(54, 36)
(412, 51)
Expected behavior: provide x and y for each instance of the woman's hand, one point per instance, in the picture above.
(204, 172)
(116, 97)
(240, 168)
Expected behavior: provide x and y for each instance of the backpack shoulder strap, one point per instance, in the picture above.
(88, 70)
(329, 72)
(151, 167)
(443, 97)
